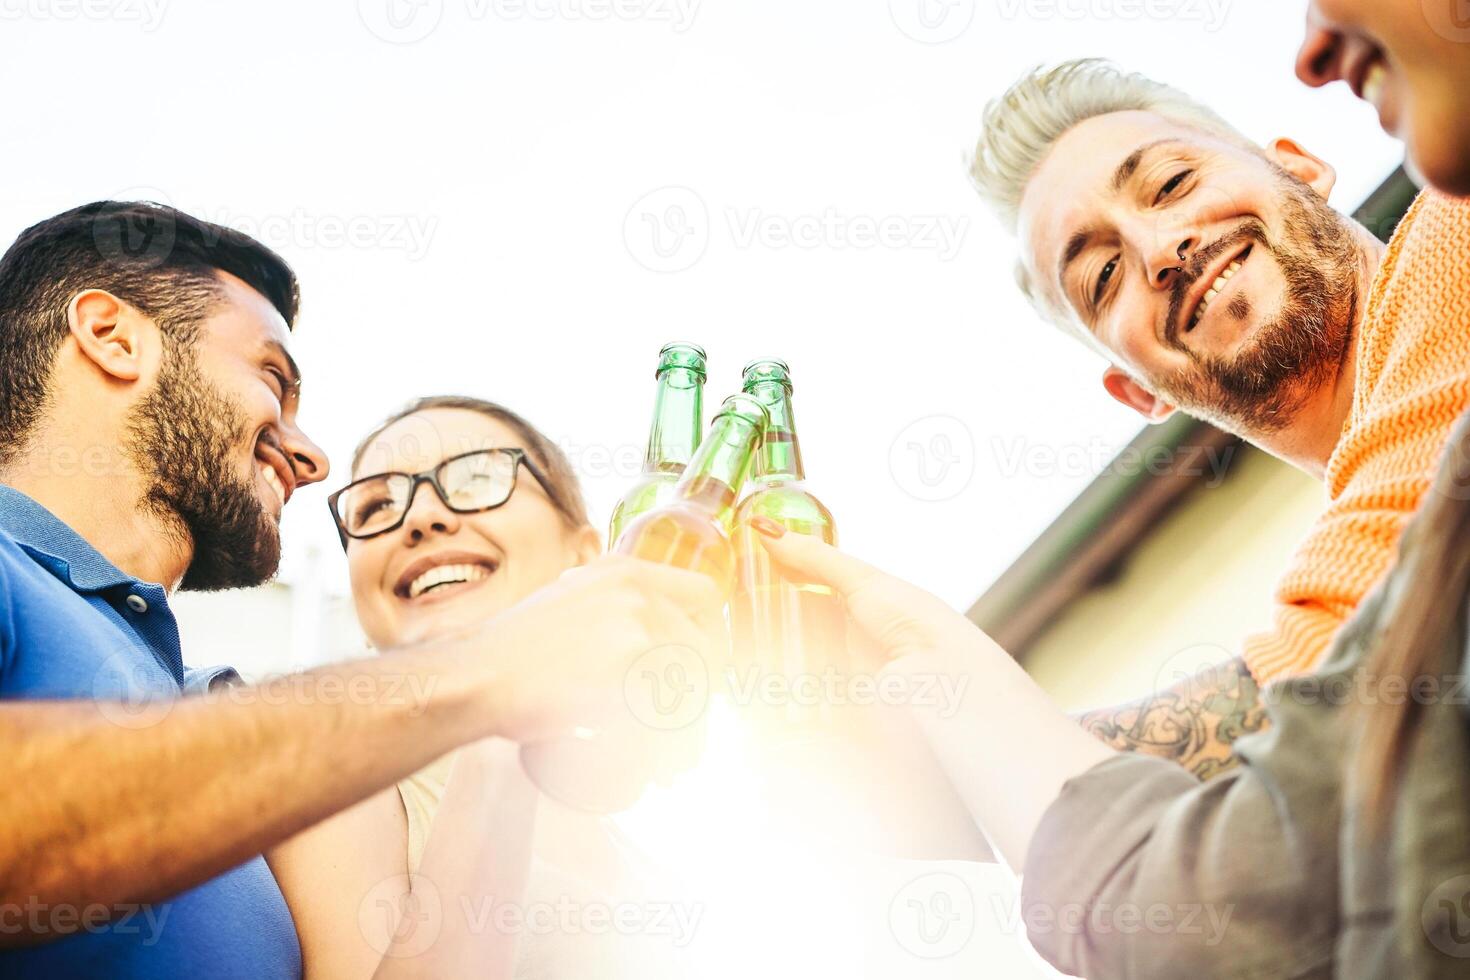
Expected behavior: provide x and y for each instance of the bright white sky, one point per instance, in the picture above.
(494, 174)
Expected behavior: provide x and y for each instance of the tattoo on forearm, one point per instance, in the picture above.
(1194, 723)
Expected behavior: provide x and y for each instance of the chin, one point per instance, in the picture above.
(1444, 166)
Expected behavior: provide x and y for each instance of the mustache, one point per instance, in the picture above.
(1252, 232)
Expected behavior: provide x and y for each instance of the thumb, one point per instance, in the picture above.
(811, 558)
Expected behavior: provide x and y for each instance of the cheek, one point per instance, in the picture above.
(365, 567)
(533, 541)
(1131, 334)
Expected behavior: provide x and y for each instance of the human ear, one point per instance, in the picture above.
(1129, 392)
(1311, 170)
(109, 333)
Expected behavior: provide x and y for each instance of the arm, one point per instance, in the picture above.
(122, 814)
(1005, 745)
(360, 913)
(1194, 723)
(1237, 876)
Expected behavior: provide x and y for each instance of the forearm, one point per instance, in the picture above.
(1006, 746)
(476, 862)
(1194, 723)
(138, 811)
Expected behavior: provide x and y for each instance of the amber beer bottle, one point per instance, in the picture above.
(779, 625)
(678, 416)
(606, 771)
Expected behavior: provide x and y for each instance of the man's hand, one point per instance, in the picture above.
(1194, 723)
(563, 654)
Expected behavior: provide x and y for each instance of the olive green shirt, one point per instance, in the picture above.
(1139, 870)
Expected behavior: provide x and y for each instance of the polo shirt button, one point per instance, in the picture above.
(137, 604)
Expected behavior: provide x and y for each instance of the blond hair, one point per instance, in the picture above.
(1020, 127)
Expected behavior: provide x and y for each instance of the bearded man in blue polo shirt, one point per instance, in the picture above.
(148, 441)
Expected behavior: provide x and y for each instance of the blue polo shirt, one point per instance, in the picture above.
(73, 626)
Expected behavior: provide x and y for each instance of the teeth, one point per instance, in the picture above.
(1373, 83)
(445, 574)
(273, 481)
(1214, 291)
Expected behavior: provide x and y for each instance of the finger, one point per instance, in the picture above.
(689, 590)
(814, 559)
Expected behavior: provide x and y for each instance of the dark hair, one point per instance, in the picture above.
(157, 259)
(567, 495)
(1424, 621)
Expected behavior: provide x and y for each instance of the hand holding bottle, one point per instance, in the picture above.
(898, 619)
(560, 656)
(1001, 707)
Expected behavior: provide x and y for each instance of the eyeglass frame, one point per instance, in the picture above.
(519, 457)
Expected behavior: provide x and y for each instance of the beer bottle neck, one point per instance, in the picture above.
(677, 414)
(720, 466)
(780, 452)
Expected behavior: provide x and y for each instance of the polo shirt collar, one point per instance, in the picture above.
(50, 541)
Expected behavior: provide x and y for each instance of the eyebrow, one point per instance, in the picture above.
(294, 380)
(1130, 164)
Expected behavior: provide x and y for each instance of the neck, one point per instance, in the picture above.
(94, 488)
(1309, 442)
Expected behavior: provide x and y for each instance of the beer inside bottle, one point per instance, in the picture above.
(693, 529)
(779, 624)
(678, 416)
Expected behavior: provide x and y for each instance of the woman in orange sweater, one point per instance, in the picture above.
(1316, 857)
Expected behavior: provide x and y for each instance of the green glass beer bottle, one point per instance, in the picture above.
(678, 416)
(693, 529)
(778, 625)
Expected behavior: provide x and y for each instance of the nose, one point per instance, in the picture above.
(427, 515)
(1319, 59)
(307, 459)
(1167, 263)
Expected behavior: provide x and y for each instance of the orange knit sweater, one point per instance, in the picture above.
(1413, 382)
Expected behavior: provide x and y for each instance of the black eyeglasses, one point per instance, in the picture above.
(467, 483)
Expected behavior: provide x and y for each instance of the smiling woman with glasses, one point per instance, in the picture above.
(457, 510)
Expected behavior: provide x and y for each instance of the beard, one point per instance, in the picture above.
(184, 433)
(1266, 384)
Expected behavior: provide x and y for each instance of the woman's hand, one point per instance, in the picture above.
(1005, 745)
(898, 619)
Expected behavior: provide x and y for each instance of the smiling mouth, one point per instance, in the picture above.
(445, 579)
(1217, 287)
